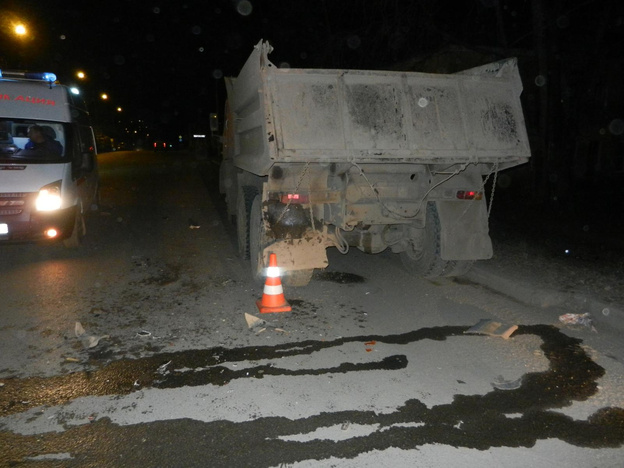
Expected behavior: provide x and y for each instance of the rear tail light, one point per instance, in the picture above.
(469, 195)
(296, 198)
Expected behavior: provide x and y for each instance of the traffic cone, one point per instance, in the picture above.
(273, 299)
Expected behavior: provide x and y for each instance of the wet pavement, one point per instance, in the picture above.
(516, 417)
(371, 368)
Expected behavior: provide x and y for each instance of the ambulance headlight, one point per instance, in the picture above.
(49, 198)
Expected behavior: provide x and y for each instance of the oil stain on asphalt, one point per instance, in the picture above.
(472, 421)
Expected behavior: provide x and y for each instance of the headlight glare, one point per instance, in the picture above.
(49, 198)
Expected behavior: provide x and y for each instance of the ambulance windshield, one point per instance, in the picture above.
(32, 140)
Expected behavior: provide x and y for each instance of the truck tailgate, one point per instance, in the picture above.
(301, 115)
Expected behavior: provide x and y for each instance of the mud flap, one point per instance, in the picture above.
(465, 231)
(299, 254)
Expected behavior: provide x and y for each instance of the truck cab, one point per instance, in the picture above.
(48, 160)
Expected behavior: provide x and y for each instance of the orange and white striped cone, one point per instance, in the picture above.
(273, 299)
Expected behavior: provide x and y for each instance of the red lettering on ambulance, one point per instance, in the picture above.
(4, 97)
(33, 100)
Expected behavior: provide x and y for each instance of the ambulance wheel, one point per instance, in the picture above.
(246, 195)
(96, 202)
(257, 239)
(78, 231)
(423, 259)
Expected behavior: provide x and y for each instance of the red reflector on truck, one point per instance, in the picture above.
(469, 195)
(294, 198)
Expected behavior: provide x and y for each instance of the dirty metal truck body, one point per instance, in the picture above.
(368, 159)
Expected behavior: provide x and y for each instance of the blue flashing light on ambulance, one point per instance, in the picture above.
(48, 160)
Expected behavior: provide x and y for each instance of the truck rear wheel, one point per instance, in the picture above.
(246, 195)
(257, 239)
(228, 188)
(424, 260)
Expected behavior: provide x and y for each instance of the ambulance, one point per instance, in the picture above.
(48, 160)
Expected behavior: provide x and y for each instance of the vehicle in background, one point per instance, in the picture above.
(160, 145)
(48, 174)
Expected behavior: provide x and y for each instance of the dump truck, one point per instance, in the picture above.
(375, 160)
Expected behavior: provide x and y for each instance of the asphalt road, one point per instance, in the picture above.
(371, 367)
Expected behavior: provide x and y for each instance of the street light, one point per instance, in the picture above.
(81, 75)
(20, 30)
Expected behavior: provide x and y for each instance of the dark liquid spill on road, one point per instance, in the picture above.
(509, 418)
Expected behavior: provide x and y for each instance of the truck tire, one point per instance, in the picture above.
(227, 187)
(246, 195)
(257, 239)
(426, 262)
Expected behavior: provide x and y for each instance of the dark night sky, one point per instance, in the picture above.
(162, 60)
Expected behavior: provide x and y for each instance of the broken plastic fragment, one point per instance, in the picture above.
(253, 321)
(577, 319)
(502, 384)
(79, 330)
(489, 327)
(93, 341)
(163, 369)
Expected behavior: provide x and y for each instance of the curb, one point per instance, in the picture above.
(603, 314)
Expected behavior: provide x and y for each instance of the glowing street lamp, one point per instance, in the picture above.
(20, 30)
(103, 96)
(81, 75)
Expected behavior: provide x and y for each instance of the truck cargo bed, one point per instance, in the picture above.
(311, 115)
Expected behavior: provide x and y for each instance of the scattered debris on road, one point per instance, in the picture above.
(253, 321)
(492, 328)
(93, 341)
(162, 370)
(89, 342)
(79, 330)
(501, 384)
(369, 345)
(578, 319)
(260, 325)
